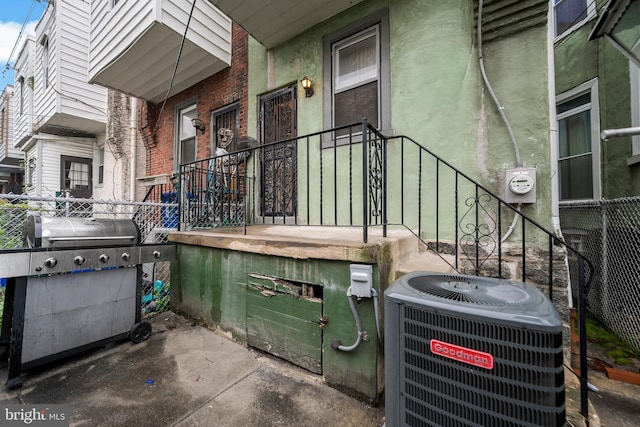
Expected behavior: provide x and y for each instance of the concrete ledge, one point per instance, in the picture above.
(302, 242)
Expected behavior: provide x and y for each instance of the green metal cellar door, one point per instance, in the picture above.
(284, 318)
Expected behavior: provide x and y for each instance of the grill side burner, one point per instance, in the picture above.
(76, 286)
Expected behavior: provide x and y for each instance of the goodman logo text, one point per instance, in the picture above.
(462, 354)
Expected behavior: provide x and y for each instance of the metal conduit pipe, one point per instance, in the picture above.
(614, 133)
(336, 343)
(376, 310)
(500, 108)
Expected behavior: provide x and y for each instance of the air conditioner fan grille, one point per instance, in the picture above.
(470, 290)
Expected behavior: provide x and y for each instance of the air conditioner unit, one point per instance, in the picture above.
(466, 350)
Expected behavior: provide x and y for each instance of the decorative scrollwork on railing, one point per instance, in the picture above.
(477, 241)
(375, 177)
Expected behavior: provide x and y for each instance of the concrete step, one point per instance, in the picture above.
(425, 261)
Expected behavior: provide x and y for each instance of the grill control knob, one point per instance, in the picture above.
(104, 258)
(126, 256)
(79, 260)
(156, 254)
(51, 262)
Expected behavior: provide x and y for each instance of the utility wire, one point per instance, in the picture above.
(24, 25)
(50, 85)
(175, 69)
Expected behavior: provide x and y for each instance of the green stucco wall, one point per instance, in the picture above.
(437, 94)
(211, 285)
(578, 60)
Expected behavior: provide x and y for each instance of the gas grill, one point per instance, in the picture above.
(76, 285)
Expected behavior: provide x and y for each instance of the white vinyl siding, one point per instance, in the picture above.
(44, 94)
(68, 101)
(74, 16)
(47, 154)
(134, 45)
(7, 121)
(23, 125)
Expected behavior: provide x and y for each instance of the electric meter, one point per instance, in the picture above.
(520, 185)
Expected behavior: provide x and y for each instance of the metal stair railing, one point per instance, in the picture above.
(471, 224)
(333, 178)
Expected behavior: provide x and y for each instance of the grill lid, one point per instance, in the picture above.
(65, 232)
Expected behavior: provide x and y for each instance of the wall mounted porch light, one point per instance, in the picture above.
(307, 85)
(197, 123)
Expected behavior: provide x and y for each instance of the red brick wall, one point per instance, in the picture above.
(217, 91)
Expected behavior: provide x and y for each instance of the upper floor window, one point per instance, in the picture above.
(571, 13)
(45, 61)
(357, 71)
(21, 96)
(579, 143)
(185, 145)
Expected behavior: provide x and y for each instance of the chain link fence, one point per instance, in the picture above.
(150, 217)
(607, 232)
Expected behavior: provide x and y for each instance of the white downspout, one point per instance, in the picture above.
(553, 128)
(553, 144)
(38, 165)
(132, 157)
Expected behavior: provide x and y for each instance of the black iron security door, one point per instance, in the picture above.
(279, 165)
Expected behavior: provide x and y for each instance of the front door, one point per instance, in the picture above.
(278, 171)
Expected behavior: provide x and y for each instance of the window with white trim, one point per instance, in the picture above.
(356, 73)
(21, 97)
(579, 144)
(570, 14)
(45, 61)
(185, 147)
(31, 172)
(100, 163)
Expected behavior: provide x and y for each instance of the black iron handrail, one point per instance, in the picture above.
(453, 215)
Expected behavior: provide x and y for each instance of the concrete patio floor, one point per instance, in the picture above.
(188, 375)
